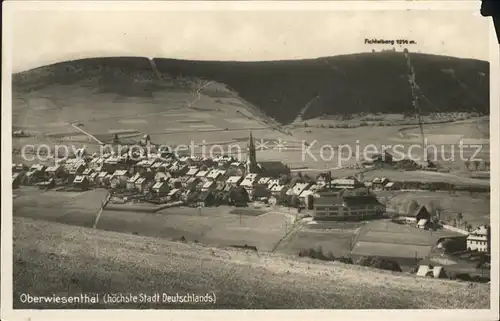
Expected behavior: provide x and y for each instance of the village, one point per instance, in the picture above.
(165, 179)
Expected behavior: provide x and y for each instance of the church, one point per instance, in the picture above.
(273, 169)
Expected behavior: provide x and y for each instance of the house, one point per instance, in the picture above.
(234, 180)
(249, 181)
(37, 167)
(264, 180)
(272, 182)
(16, 168)
(298, 188)
(101, 179)
(424, 224)
(421, 213)
(50, 183)
(381, 158)
(324, 179)
(192, 171)
(346, 206)
(146, 163)
(77, 168)
(119, 179)
(162, 177)
(346, 183)
(141, 184)
(181, 170)
(56, 171)
(174, 194)
(307, 198)
(96, 163)
(130, 185)
(93, 178)
(17, 179)
(110, 164)
(222, 175)
(237, 165)
(160, 189)
(215, 174)
(202, 174)
(480, 239)
(277, 189)
(35, 174)
(88, 171)
(192, 182)
(81, 182)
(378, 183)
(261, 192)
(208, 186)
(392, 186)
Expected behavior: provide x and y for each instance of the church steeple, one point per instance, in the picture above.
(252, 158)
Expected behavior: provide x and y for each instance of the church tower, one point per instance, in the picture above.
(252, 158)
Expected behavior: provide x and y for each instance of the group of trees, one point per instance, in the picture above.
(436, 211)
(477, 165)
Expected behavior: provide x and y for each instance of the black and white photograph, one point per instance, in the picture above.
(249, 156)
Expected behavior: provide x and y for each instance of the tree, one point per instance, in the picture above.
(295, 201)
(284, 179)
(476, 165)
(467, 163)
(307, 178)
(435, 209)
(413, 206)
(487, 165)
(261, 191)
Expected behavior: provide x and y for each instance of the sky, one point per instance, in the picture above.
(41, 37)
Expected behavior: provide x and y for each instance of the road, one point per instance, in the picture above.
(87, 134)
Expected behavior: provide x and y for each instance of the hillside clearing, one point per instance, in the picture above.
(54, 258)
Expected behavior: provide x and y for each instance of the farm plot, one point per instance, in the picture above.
(404, 251)
(78, 209)
(335, 241)
(263, 231)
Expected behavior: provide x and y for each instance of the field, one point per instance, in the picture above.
(335, 241)
(96, 261)
(425, 177)
(475, 207)
(217, 226)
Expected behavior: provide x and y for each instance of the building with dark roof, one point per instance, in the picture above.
(340, 207)
(273, 169)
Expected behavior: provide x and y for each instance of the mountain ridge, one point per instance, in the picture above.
(346, 84)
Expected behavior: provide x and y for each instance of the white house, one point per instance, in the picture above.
(160, 189)
(264, 180)
(249, 180)
(201, 174)
(131, 181)
(192, 171)
(272, 182)
(214, 174)
(298, 188)
(209, 185)
(140, 184)
(479, 239)
(234, 180)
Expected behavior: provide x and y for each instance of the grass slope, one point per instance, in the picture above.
(56, 259)
(368, 82)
